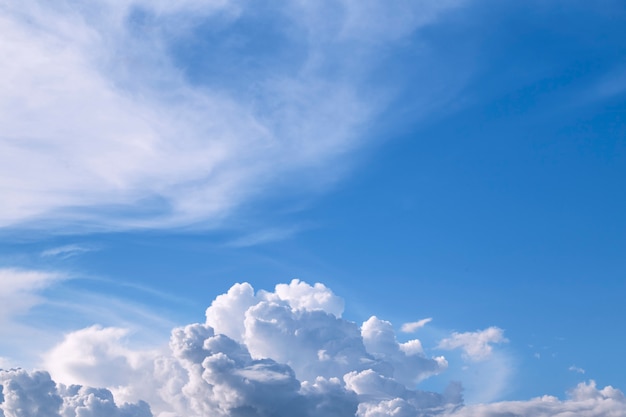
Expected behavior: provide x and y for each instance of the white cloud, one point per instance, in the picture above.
(415, 325)
(477, 345)
(102, 128)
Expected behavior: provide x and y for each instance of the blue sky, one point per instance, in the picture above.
(462, 161)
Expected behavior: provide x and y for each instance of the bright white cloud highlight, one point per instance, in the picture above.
(477, 345)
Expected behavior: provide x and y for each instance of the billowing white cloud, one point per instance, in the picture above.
(104, 125)
(79, 358)
(476, 345)
(265, 353)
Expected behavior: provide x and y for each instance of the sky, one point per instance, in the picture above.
(333, 208)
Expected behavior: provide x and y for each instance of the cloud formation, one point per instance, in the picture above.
(265, 353)
(285, 352)
(107, 124)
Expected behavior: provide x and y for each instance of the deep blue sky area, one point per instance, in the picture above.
(470, 169)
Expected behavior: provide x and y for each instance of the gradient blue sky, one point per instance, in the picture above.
(463, 161)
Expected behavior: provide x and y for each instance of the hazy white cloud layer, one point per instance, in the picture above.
(107, 124)
(19, 289)
(281, 353)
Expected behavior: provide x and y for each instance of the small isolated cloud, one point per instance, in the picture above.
(477, 345)
(415, 325)
(576, 369)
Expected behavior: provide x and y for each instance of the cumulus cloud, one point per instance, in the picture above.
(105, 125)
(273, 353)
(476, 345)
(263, 353)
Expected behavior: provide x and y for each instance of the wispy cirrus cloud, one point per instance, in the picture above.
(108, 125)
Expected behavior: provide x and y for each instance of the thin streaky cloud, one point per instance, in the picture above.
(67, 251)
